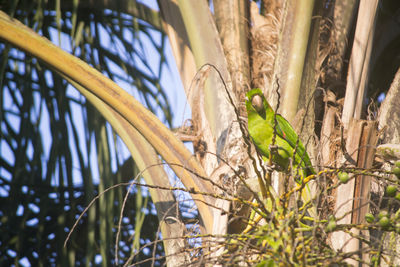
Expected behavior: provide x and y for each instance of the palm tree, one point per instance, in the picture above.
(319, 62)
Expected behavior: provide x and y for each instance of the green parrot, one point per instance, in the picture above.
(261, 121)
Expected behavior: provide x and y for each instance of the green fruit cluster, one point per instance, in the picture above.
(384, 220)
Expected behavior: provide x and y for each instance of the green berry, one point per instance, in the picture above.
(397, 164)
(382, 214)
(397, 196)
(396, 171)
(384, 222)
(369, 218)
(391, 190)
(343, 177)
(331, 226)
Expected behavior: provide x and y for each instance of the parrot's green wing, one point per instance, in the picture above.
(286, 132)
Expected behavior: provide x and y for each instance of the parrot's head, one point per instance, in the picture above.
(256, 103)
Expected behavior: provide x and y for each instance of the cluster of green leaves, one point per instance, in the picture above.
(287, 236)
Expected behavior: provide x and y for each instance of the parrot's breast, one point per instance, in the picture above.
(262, 132)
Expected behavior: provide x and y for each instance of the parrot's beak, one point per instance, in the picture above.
(257, 103)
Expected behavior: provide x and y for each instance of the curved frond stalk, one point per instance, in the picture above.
(194, 89)
(156, 133)
(292, 52)
(359, 62)
(177, 35)
(206, 48)
(148, 161)
(232, 20)
(389, 117)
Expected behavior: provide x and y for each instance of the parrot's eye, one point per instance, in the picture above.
(257, 103)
